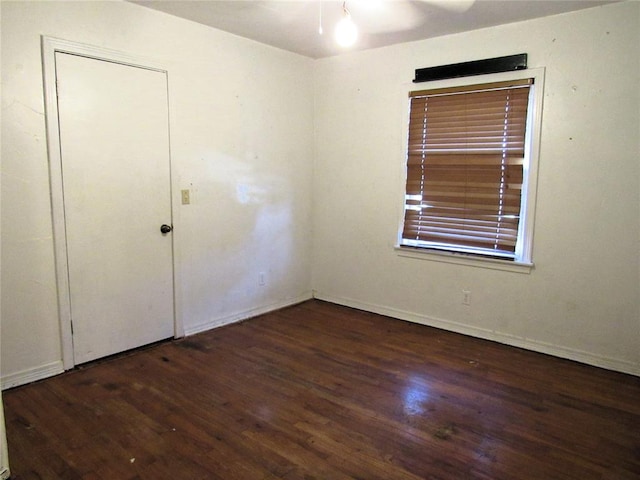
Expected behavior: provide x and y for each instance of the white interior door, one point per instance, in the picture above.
(114, 145)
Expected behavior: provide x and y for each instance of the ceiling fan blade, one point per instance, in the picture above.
(384, 16)
(458, 6)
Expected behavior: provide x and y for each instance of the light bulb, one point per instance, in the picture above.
(346, 31)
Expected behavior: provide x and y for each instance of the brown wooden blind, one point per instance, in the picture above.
(465, 166)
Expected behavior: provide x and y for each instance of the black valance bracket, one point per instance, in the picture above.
(468, 69)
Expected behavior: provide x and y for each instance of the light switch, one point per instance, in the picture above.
(185, 197)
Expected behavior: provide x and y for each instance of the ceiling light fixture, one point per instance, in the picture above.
(346, 30)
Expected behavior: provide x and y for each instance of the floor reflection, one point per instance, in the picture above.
(416, 395)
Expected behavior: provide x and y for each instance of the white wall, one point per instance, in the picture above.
(241, 117)
(582, 299)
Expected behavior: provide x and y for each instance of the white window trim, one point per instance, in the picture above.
(457, 258)
(523, 262)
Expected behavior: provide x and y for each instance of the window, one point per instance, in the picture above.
(469, 184)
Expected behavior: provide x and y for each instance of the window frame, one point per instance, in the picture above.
(523, 260)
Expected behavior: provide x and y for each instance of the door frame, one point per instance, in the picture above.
(51, 46)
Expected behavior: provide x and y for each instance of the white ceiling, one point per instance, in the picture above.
(294, 25)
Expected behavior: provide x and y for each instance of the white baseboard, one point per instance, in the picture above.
(31, 375)
(245, 314)
(623, 366)
(588, 358)
(55, 368)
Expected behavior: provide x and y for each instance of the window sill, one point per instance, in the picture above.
(464, 259)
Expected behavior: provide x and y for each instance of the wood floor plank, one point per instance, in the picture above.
(318, 391)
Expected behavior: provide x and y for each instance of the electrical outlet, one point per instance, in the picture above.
(186, 200)
(466, 297)
(262, 279)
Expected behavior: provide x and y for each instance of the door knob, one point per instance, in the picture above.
(166, 228)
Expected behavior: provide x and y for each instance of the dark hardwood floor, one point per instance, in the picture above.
(318, 391)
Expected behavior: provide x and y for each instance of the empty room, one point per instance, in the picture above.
(391, 240)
